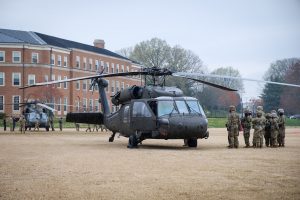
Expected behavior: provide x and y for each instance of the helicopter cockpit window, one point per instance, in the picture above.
(165, 108)
(182, 108)
(140, 109)
(195, 107)
(126, 117)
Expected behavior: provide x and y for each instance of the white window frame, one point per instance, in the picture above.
(96, 105)
(53, 79)
(59, 79)
(118, 68)
(96, 65)
(65, 104)
(65, 61)
(122, 86)
(3, 73)
(84, 104)
(33, 54)
(46, 77)
(52, 60)
(91, 103)
(19, 74)
(59, 60)
(84, 63)
(65, 83)
(90, 83)
(122, 68)
(112, 88)
(127, 69)
(3, 56)
(31, 77)
(112, 68)
(90, 64)
(13, 56)
(84, 83)
(59, 105)
(77, 85)
(13, 103)
(77, 62)
(3, 103)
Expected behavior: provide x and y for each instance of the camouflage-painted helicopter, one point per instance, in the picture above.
(148, 112)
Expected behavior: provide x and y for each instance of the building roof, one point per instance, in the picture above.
(15, 36)
(59, 42)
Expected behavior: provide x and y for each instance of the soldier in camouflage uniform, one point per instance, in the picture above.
(268, 130)
(246, 123)
(233, 126)
(258, 124)
(281, 126)
(274, 130)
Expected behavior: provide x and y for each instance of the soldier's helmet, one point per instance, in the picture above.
(274, 115)
(280, 110)
(246, 111)
(259, 108)
(259, 113)
(268, 115)
(231, 108)
(273, 111)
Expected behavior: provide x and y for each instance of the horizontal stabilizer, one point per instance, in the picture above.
(86, 118)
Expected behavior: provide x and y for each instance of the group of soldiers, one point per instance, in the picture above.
(12, 121)
(269, 126)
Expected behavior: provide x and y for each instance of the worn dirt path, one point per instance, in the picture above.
(72, 165)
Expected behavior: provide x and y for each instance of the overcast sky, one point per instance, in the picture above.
(247, 35)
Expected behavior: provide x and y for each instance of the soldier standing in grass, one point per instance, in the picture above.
(268, 130)
(258, 124)
(246, 123)
(281, 126)
(274, 130)
(233, 125)
(88, 128)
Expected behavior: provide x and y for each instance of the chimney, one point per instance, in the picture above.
(99, 43)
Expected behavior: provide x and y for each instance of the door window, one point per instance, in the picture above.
(140, 109)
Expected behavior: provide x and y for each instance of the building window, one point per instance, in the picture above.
(46, 78)
(77, 103)
(2, 56)
(84, 102)
(2, 79)
(122, 68)
(65, 83)
(77, 62)
(16, 56)
(112, 86)
(84, 83)
(65, 104)
(59, 78)
(102, 65)
(96, 105)
(59, 60)
(90, 85)
(107, 67)
(77, 85)
(84, 63)
(90, 64)
(91, 105)
(35, 58)
(52, 59)
(31, 79)
(53, 79)
(65, 61)
(127, 69)
(117, 86)
(16, 102)
(59, 104)
(112, 68)
(2, 103)
(122, 86)
(16, 79)
(96, 65)
(117, 69)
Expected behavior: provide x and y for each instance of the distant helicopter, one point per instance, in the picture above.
(153, 111)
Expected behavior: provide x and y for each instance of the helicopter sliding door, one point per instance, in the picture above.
(142, 119)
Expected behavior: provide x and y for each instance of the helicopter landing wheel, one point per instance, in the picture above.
(192, 142)
(47, 128)
(112, 137)
(132, 141)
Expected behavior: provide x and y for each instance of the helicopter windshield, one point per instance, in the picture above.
(195, 107)
(165, 108)
(182, 107)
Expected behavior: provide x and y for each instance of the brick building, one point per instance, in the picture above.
(30, 57)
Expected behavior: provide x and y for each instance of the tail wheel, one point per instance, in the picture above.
(192, 142)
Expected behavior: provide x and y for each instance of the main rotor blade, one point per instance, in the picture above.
(45, 106)
(236, 78)
(86, 77)
(205, 82)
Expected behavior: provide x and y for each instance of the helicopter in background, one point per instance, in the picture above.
(153, 111)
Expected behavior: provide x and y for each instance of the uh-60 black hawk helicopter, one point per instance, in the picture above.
(152, 111)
